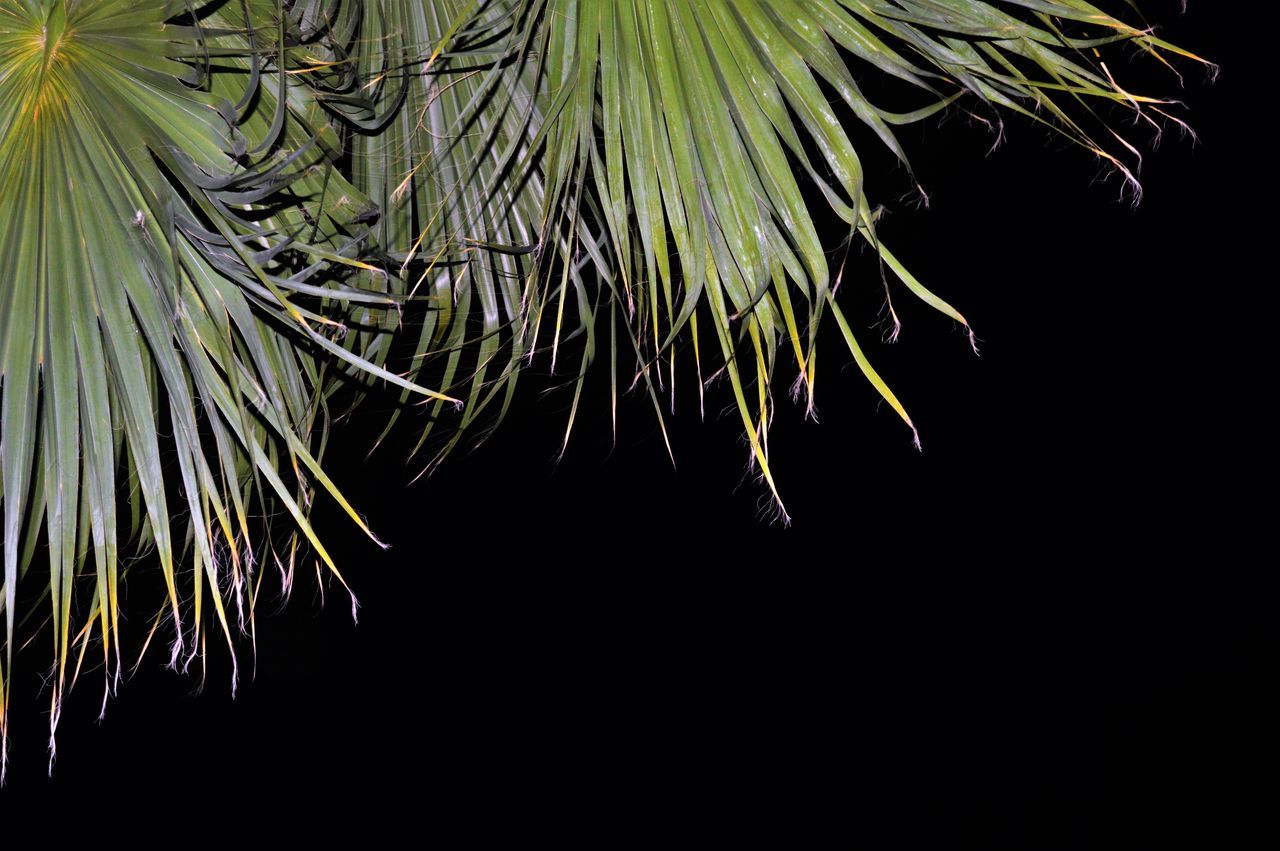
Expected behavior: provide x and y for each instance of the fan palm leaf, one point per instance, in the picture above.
(216, 219)
(163, 246)
(692, 122)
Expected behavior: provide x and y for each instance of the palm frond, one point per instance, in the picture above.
(693, 123)
(174, 256)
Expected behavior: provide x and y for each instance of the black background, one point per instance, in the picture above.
(1046, 630)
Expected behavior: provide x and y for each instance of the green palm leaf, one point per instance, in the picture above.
(174, 258)
(217, 220)
(691, 119)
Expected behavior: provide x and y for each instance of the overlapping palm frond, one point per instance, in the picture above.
(461, 222)
(214, 217)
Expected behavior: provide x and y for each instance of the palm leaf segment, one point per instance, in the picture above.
(190, 253)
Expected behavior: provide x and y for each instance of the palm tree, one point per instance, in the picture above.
(222, 223)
